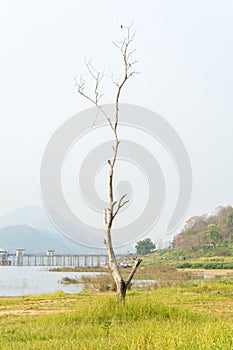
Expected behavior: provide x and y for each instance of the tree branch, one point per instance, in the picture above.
(121, 203)
(97, 76)
(132, 273)
(126, 53)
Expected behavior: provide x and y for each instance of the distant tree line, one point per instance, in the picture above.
(207, 229)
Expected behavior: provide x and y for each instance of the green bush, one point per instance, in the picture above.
(184, 265)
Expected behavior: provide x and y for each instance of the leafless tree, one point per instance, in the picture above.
(115, 205)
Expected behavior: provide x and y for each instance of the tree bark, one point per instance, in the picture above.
(121, 284)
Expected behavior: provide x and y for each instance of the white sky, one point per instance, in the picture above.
(185, 54)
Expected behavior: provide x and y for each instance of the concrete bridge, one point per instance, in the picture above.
(57, 260)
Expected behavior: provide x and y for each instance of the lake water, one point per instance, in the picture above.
(26, 280)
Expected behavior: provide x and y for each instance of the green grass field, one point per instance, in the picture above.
(196, 315)
(196, 257)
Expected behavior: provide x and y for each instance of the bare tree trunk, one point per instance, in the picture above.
(114, 206)
(121, 284)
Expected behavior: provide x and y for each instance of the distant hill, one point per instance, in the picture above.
(207, 229)
(34, 216)
(205, 242)
(30, 228)
(37, 241)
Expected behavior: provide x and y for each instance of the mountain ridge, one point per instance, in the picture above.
(32, 222)
(36, 241)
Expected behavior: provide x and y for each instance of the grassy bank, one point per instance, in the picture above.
(194, 316)
(195, 257)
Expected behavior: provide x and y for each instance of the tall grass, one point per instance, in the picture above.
(163, 275)
(196, 316)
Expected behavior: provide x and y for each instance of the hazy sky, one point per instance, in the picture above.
(185, 54)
